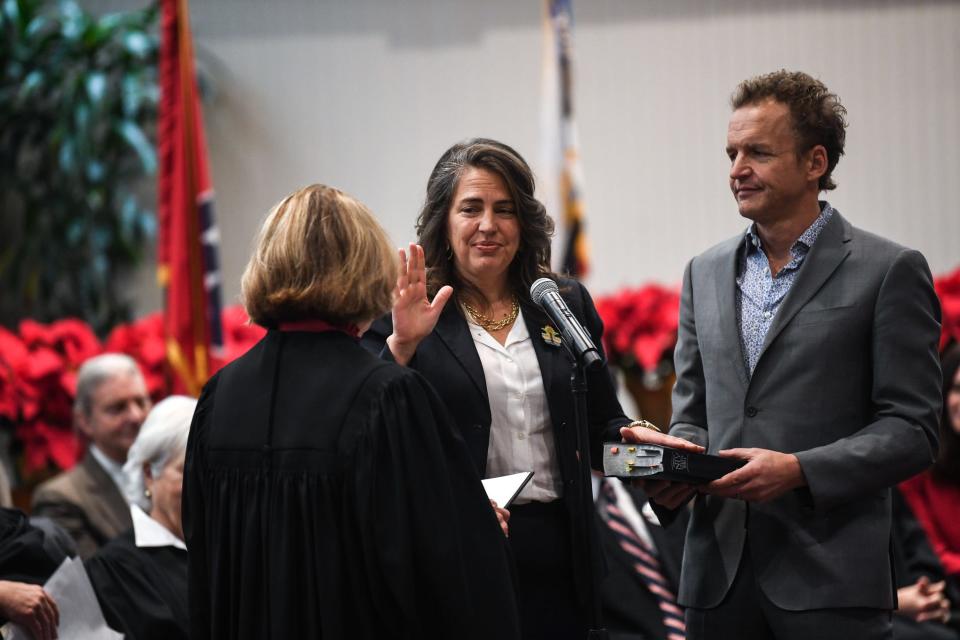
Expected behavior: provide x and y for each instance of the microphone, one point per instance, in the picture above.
(546, 295)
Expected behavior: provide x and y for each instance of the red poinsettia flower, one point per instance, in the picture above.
(948, 289)
(239, 334)
(46, 389)
(44, 442)
(142, 340)
(13, 361)
(640, 326)
(72, 339)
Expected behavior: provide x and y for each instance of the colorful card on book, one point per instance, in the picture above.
(627, 460)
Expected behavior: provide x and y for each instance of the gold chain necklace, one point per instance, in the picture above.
(489, 323)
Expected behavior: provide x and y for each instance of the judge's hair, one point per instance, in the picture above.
(320, 255)
(162, 438)
(536, 227)
(817, 115)
(98, 370)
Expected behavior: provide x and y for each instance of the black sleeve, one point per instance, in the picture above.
(374, 339)
(194, 512)
(441, 556)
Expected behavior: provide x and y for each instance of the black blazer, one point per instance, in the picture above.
(630, 611)
(448, 359)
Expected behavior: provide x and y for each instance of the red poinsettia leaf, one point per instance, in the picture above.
(35, 334)
(68, 382)
(34, 446)
(75, 340)
(12, 349)
(63, 446)
(43, 363)
(647, 350)
(948, 290)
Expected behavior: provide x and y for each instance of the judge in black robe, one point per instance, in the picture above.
(326, 494)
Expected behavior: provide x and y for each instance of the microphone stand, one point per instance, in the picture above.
(578, 384)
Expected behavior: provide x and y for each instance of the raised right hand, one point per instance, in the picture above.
(414, 316)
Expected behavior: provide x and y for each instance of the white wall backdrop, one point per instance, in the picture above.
(365, 95)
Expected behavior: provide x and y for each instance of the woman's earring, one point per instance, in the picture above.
(147, 494)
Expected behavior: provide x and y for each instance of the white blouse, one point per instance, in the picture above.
(521, 434)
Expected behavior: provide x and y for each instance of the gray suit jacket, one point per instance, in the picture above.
(87, 503)
(848, 380)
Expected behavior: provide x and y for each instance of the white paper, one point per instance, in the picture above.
(504, 489)
(80, 614)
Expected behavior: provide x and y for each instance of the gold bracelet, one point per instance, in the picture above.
(645, 424)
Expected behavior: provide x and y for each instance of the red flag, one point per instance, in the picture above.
(188, 268)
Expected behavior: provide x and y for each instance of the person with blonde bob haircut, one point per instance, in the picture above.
(326, 493)
(322, 254)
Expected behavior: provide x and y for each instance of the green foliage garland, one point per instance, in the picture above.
(78, 98)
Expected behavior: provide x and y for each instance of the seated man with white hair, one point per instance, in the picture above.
(87, 501)
(140, 577)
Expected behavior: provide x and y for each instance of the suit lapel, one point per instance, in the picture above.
(109, 509)
(546, 354)
(828, 252)
(455, 334)
(726, 299)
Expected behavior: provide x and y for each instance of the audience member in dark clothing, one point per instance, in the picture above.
(26, 561)
(925, 598)
(643, 565)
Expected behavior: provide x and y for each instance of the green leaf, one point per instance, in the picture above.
(67, 156)
(33, 80)
(74, 22)
(37, 24)
(95, 171)
(135, 137)
(11, 11)
(96, 86)
(133, 94)
(137, 44)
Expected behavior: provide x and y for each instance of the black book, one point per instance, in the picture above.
(626, 460)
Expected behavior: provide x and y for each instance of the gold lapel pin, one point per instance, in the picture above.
(551, 336)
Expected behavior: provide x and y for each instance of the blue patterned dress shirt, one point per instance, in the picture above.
(758, 294)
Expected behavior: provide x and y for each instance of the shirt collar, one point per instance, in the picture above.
(113, 468)
(147, 532)
(806, 239)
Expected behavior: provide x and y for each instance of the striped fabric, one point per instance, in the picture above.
(645, 563)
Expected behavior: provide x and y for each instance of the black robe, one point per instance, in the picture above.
(25, 553)
(326, 495)
(142, 590)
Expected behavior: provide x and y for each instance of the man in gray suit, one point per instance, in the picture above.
(807, 348)
(88, 500)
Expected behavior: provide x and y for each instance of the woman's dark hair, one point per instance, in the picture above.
(947, 466)
(536, 227)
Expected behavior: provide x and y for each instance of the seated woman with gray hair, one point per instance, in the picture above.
(140, 577)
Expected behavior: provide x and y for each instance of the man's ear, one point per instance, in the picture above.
(82, 422)
(817, 162)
